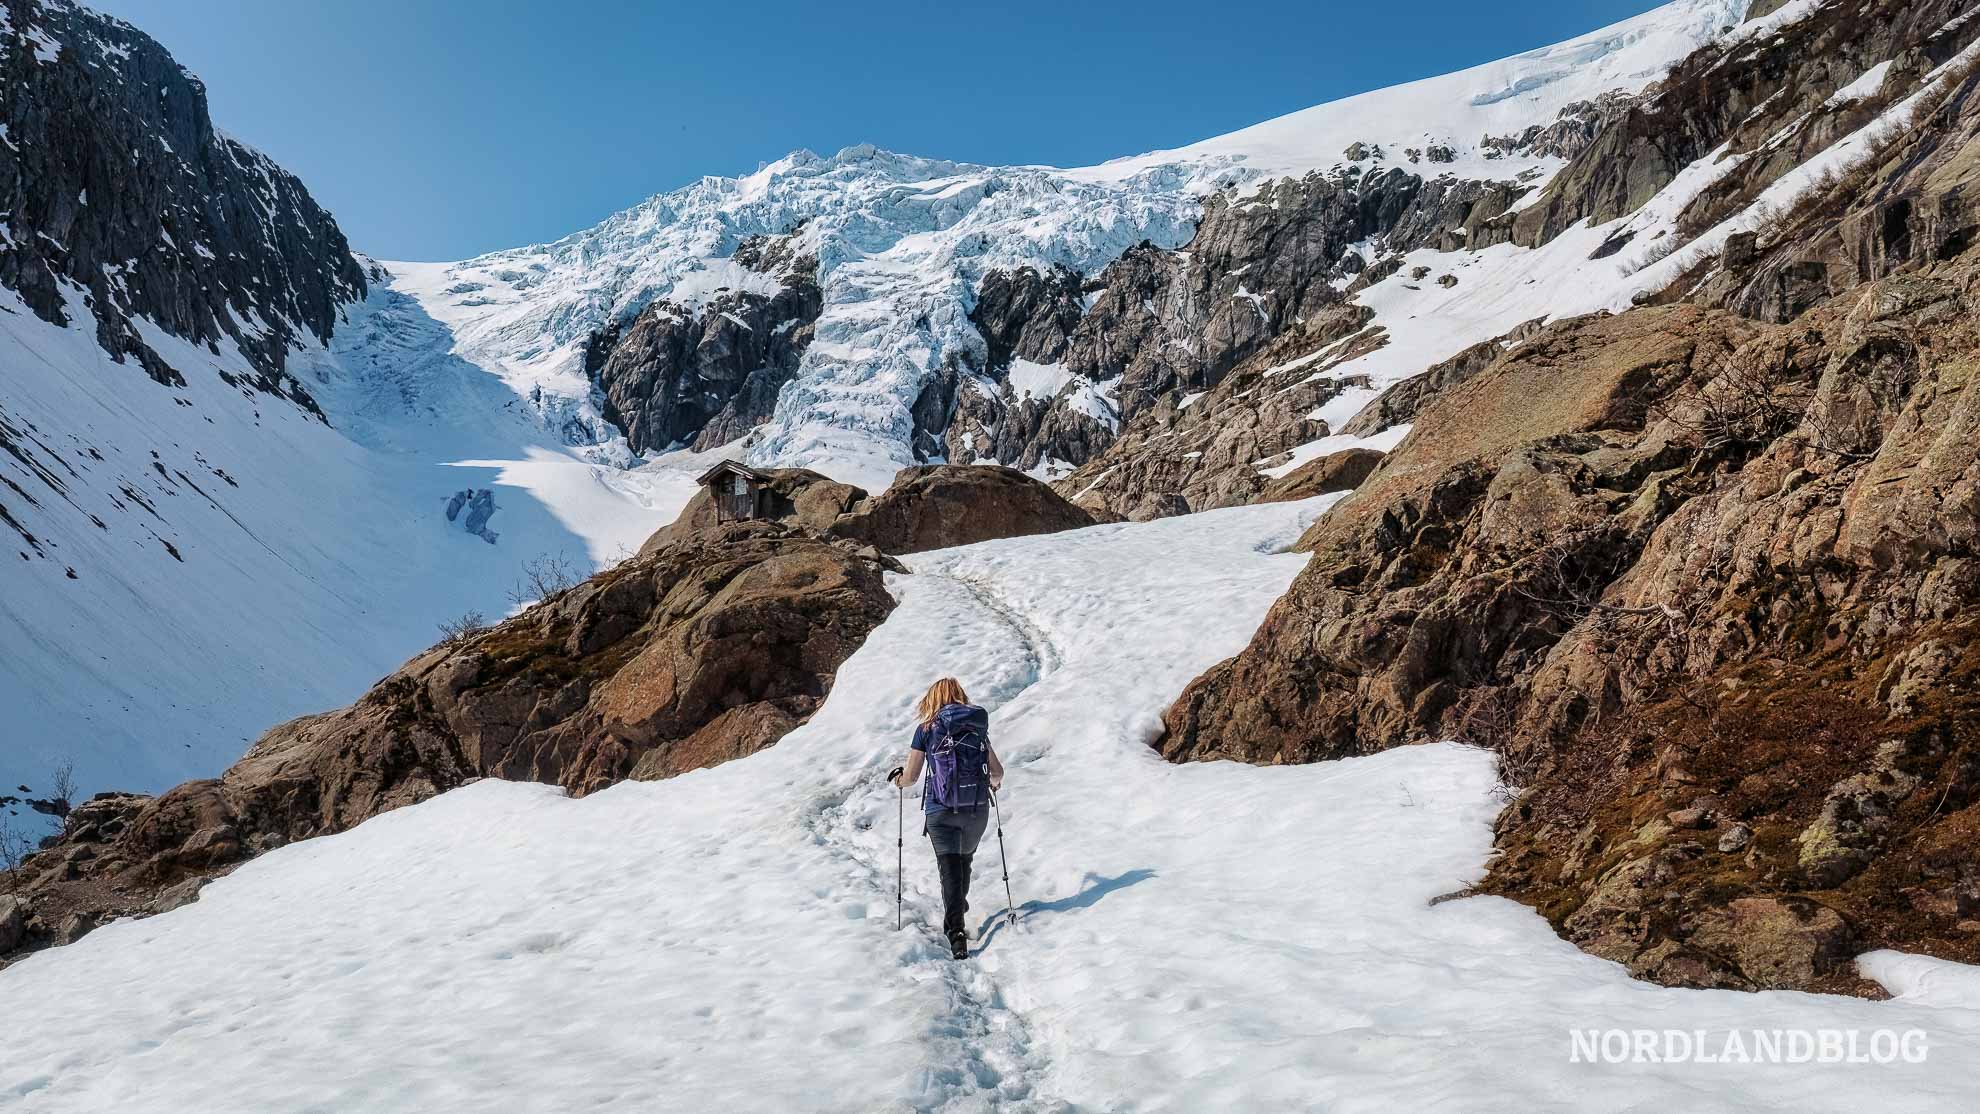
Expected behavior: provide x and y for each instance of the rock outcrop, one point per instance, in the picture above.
(122, 201)
(1707, 587)
(705, 374)
(1770, 100)
(1341, 471)
(699, 651)
(1210, 449)
(938, 506)
(929, 507)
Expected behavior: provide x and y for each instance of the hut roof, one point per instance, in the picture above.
(730, 467)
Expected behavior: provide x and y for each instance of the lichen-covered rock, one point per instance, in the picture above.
(1417, 589)
(1341, 471)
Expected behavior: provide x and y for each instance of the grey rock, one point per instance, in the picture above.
(175, 896)
(705, 377)
(1736, 838)
(13, 922)
(1400, 402)
(73, 927)
(1689, 819)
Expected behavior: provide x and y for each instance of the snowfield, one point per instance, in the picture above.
(238, 562)
(1202, 937)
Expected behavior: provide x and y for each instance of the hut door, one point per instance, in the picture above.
(739, 501)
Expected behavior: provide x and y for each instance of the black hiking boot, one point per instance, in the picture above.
(958, 945)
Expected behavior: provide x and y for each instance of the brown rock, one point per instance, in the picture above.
(1407, 595)
(1342, 471)
(1776, 942)
(929, 507)
(938, 506)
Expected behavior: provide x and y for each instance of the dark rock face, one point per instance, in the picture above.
(1027, 315)
(1208, 450)
(1180, 321)
(1574, 130)
(1765, 97)
(117, 187)
(705, 377)
(1264, 273)
(694, 653)
(1909, 203)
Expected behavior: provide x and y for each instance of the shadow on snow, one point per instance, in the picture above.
(1095, 889)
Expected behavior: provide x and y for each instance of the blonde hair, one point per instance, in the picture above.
(948, 690)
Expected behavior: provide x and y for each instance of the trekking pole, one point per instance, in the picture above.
(1010, 907)
(900, 853)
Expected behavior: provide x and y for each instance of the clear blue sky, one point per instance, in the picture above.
(436, 129)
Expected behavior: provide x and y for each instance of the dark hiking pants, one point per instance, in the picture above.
(955, 834)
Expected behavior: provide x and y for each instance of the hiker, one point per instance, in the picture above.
(953, 738)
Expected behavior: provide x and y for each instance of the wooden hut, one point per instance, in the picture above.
(737, 491)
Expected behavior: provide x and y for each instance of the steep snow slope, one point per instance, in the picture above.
(1457, 110)
(237, 561)
(194, 551)
(903, 242)
(1202, 937)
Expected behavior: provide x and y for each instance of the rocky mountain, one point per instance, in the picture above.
(123, 204)
(1029, 316)
(1698, 570)
(224, 440)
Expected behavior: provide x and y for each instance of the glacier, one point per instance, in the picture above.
(903, 242)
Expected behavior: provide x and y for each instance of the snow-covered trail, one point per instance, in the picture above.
(1198, 937)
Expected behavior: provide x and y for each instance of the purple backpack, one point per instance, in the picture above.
(959, 757)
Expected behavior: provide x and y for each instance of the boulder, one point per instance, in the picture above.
(796, 497)
(13, 922)
(1777, 943)
(929, 507)
(1341, 471)
(938, 506)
